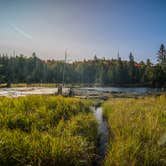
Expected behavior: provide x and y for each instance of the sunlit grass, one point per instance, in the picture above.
(46, 130)
(48, 85)
(138, 131)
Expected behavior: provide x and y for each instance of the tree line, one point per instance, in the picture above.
(23, 69)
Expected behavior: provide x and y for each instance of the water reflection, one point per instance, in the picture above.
(123, 89)
(103, 131)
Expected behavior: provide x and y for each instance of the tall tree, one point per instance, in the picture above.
(161, 54)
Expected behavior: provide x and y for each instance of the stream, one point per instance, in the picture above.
(103, 133)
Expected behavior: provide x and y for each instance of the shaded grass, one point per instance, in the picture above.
(46, 130)
(138, 130)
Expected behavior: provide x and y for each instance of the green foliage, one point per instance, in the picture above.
(162, 54)
(46, 130)
(21, 69)
(138, 133)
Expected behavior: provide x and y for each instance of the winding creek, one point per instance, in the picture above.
(103, 133)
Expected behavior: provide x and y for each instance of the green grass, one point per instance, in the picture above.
(47, 85)
(137, 131)
(16, 85)
(46, 130)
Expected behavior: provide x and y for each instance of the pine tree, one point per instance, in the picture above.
(161, 54)
(131, 58)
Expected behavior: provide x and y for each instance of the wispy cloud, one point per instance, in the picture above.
(20, 31)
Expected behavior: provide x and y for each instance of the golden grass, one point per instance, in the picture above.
(138, 131)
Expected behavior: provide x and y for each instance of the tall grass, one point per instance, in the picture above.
(138, 131)
(46, 130)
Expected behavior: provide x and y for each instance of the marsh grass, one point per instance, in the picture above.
(138, 130)
(46, 130)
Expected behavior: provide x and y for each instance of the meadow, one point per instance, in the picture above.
(47, 130)
(42, 130)
(137, 131)
(19, 85)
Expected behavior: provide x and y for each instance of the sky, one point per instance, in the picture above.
(83, 28)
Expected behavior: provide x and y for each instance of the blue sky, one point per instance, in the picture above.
(84, 27)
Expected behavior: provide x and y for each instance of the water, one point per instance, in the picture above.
(16, 92)
(103, 131)
(123, 89)
(24, 91)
